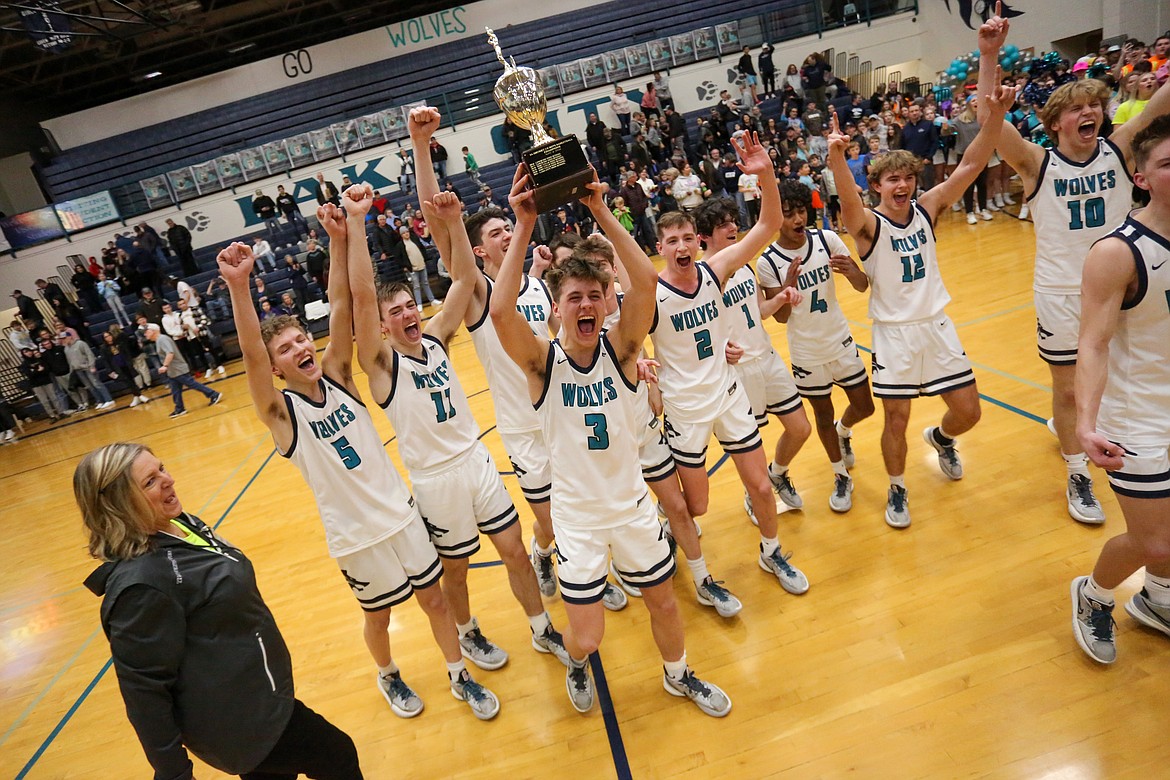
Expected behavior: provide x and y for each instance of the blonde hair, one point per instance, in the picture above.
(113, 507)
(1070, 94)
(894, 160)
(274, 326)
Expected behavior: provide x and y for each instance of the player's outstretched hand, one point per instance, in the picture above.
(235, 263)
(541, 259)
(753, 157)
(993, 33)
(792, 275)
(847, 267)
(422, 123)
(790, 296)
(1000, 100)
(521, 196)
(332, 218)
(357, 201)
(647, 370)
(838, 141)
(1102, 452)
(445, 207)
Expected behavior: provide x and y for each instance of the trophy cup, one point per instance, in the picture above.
(558, 167)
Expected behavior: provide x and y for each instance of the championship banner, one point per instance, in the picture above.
(89, 211)
(47, 27)
(32, 227)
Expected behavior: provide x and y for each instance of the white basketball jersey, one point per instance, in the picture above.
(744, 322)
(902, 265)
(428, 409)
(817, 330)
(690, 336)
(592, 424)
(360, 496)
(509, 387)
(611, 320)
(1135, 408)
(1074, 205)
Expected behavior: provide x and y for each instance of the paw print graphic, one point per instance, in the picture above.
(707, 90)
(198, 221)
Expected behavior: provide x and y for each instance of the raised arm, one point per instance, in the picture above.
(859, 221)
(422, 124)
(445, 213)
(526, 349)
(367, 324)
(235, 265)
(1103, 291)
(337, 361)
(943, 194)
(753, 158)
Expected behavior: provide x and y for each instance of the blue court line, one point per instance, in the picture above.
(106, 667)
(994, 315)
(617, 747)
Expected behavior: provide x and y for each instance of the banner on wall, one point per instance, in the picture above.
(571, 81)
(206, 178)
(32, 227)
(89, 211)
(182, 183)
(300, 151)
(682, 48)
(345, 135)
(616, 66)
(229, 169)
(593, 71)
(393, 123)
(728, 36)
(252, 163)
(704, 43)
(323, 143)
(156, 191)
(550, 80)
(659, 53)
(369, 130)
(276, 156)
(638, 59)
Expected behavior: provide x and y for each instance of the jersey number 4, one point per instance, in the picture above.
(600, 438)
(347, 453)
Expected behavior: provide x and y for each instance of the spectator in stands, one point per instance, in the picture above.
(150, 306)
(297, 278)
(1147, 85)
(747, 69)
(650, 105)
(86, 287)
(471, 167)
(145, 345)
(111, 292)
(620, 105)
(28, 308)
(291, 211)
(662, 87)
(69, 314)
(405, 172)
(175, 369)
(49, 290)
(595, 135)
(417, 271)
(197, 332)
(317, 261)
(215, 301)
(121, 356)
(688, 189)
(381, 204)
(767, 70)
(793, 83)
(920, 137)
(326, 191)
(265, 209)
(54, 357)
(19, 334)
(438, 159)
(172, 325)
(383, 238)
(291, 303)
(7, 421)
(268, 310)
(639, 204)
(259, 290)
(263, 252)
(709, 171)
(615, 153)
(145, 266)
(729, 185)
(83, 372)
(40, 381)
(814, 78)
(179, 237)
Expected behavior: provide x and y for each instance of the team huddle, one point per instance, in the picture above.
(593, 423)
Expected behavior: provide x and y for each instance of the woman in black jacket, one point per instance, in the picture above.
(200, 661)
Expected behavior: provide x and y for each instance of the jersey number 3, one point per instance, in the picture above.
(600, 438)
(347, 453)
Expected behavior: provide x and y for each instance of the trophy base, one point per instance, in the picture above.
(559, 170)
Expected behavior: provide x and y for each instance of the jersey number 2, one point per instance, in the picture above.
(347, 453)
(600, 438)
(703, 344)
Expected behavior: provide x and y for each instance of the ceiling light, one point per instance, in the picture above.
(241, 47)
(153, 74)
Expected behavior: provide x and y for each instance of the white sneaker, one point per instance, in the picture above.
(991, 206)
(1024, 211)
(971, 218)
(220, 371)
(1007, 200)
(135, 401)
(998, 202)
(986, 215)
(956, 206)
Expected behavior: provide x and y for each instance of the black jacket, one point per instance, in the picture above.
(200, 661)
(264, 207)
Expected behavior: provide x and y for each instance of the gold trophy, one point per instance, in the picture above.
(557, 166)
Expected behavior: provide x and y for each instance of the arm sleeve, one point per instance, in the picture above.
(147, 637)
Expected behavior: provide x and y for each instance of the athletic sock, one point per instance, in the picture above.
(456, 670)
(1158, 589)
(386, 671)
(898, 481)
(698, 569)
(544, 552)
(941, 437)
(769, 546)
(1077, 463)
(1097, 593)
(839, 468)
(842, 431)
(578, 664)
(463, 628)
(676, 669)
(539, 623)
(777, 469)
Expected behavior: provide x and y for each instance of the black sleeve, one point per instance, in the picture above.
(147, 631)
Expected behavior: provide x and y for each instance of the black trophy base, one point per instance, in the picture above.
(559, 170)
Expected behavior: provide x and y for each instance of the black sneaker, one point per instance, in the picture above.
(177, 413)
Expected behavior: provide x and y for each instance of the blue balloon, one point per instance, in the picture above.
(1006, 61)
(1012, 49)
(975, 55)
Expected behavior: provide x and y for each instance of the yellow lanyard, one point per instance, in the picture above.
(190, 536)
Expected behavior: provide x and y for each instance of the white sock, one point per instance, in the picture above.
(769, 546)
(676, 669)
(543, 551)
(456, 670)
(1077, 463)
(842, 431)
(1097, 593)
(698, 569)
(386, 671)
(463, 628)
(777, 469)
(899, 481)
(1158, 589)
(539, 623)
(839, 468)
(578, 664)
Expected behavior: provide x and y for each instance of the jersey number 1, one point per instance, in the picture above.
(444, 411)
(347, 453)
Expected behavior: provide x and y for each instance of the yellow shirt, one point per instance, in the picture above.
(1128, 110)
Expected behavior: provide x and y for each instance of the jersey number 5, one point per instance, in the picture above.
(600, 438)
(347, 453)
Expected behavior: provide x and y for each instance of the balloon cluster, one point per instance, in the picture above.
(962, 67)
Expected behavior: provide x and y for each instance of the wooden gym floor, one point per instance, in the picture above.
(942, 651)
